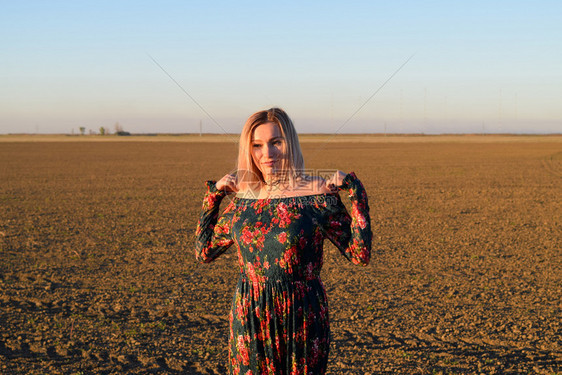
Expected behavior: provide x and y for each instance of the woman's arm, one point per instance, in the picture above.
(351, 234)
(213, 234)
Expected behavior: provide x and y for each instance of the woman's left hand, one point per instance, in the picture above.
(227, 183)
(336, 180)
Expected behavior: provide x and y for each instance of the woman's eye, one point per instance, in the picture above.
(256, 145)
(277, 143)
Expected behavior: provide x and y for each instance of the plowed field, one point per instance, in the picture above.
(97, 271)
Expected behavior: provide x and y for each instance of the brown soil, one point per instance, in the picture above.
(97, 272)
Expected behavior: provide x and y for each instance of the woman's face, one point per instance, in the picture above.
(268, 149)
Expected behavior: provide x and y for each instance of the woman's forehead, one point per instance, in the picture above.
(267, 131)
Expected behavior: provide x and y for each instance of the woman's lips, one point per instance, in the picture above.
(269, 163)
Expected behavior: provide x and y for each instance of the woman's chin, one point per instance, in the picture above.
(269, 172)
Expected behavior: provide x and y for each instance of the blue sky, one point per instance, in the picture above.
(479, 66)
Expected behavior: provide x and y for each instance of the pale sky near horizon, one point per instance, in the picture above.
(479, 66)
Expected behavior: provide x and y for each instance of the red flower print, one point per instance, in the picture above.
(242, 348)
(259, 239)
(242, 307)
(222, 228)
(210, 200)
(282, 210)
(290, 258)
(270, 367)
(309, 273)
(247, 236)
(251, 272)
(282, 237)
(283, 215)
(359, 217)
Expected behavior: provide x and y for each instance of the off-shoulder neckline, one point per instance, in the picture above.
(292, 197)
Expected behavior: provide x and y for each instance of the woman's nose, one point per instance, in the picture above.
(269, 151)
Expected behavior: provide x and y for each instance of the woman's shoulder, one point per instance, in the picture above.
(315, 185)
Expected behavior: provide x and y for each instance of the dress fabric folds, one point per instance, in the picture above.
(279, 321)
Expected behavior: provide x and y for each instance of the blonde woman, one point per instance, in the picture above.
(278, 221)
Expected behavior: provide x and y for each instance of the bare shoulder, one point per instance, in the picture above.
(316, 185)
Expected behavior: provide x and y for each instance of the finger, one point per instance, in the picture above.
(232, 185)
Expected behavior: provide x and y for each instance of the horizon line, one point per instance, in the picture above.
(151, 134)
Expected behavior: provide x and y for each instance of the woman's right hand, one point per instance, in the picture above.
(336, 180)
(227, 183)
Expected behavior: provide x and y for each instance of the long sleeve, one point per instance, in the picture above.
(213, 234)
(351, 234)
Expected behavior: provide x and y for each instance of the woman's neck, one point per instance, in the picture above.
(281, 189)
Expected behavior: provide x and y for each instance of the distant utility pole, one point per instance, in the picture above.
(200, 128)
(500, 111)
(425, 107)
(400, 110)
(331, 110)
(516, 109)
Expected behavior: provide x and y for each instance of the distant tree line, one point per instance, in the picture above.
(119, 130)
(104, 131)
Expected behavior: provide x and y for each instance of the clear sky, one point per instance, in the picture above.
(477, 66)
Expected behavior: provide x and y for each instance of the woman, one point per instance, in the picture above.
(278, 221)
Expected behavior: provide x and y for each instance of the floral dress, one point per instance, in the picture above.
(279, 317)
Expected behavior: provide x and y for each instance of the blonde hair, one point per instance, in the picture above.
(249, 175)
